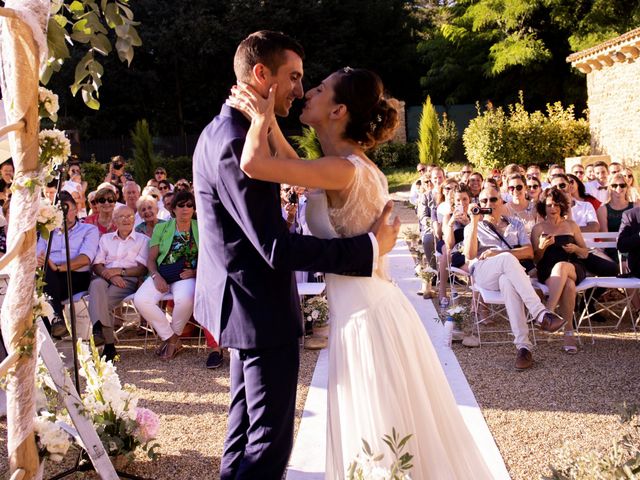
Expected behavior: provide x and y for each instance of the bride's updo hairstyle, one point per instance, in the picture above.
(373, 118)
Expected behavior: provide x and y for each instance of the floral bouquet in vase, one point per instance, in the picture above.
(426, 274)
(316, 310)
(453, 323)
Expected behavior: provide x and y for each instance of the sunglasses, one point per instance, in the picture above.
(553, 204)
(155, 196)
(159, 172)
(488, 200)
(184, 205)
(422, 170)
(621, 186)
(561, 186)
(519, 188)
(447, 189)
(535, 186)
(628, 176)
(578, 172)
(106, 200)
(163, 188)
(93, 202)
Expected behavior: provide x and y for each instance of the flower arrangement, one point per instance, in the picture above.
(55, 148)
(425, 273)
(49, 218)
(456, 315)
(53, 442)
(121, 425)
(366, 465)
(316, 309)
(47, 104)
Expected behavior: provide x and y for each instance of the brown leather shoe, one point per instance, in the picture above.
(550, 322)
(524, 359)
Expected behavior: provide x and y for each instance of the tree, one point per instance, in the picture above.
(428, 141)
(143, 156)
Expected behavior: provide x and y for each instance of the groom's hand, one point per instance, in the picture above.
(386, 233)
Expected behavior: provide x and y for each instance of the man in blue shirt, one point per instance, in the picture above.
(83, 245)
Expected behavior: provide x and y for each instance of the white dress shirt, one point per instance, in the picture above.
(583, 213)
(115, 252)
(595, 189)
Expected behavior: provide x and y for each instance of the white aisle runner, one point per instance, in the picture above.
(308, 456)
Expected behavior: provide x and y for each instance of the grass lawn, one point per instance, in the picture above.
(400, 178)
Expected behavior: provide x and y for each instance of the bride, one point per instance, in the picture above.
(383, 371)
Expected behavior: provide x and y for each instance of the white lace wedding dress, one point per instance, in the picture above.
(383, 370)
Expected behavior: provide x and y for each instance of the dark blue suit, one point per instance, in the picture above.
(246, 295)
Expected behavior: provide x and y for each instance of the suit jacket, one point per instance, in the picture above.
(629, 238)
(246, 294)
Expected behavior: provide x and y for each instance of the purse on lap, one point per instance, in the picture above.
(171, 272)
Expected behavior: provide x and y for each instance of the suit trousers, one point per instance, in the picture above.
(262, 411)
(104, 297)
(56, 287)
(504, 273)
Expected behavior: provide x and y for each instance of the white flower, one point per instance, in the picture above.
(315, 314)
(49, 216)
(48, 103)
(55, 148)
(51, 437)
(41, 306)
(455, 310)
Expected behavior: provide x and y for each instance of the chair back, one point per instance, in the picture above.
(600, 239)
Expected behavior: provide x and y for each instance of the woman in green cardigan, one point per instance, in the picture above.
(173, 256)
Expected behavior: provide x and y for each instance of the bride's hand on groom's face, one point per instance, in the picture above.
(386, 233)
(253, 105)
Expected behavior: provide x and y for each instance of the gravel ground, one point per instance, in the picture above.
(532, 414)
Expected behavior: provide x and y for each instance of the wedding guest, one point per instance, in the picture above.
(494, 263)
(105, 202)
(147, 207)
(159, 175)
(615, 168)
(131, 194)
(582, 213)
(115, 175)
(629, 239)
(598, 187)
(589, 173)
(83, 245)
(509, 170)
(120, 262)
(554, 170)
(533, 171)
(534, 188)
(475, 185)
(163, 213)
(610, 214)
(427, 212)
(579, 193)
(167, 198)
(454, 223)
(519, 206)
(164, 186)
(634, 195)
(50, 191)
(465, 173)
(445, 206)
(578, 171)
(559, 252)
(7, 171)
(417, 185)
(173, 254)
(93, 205)
(183, 184)
(152, 182)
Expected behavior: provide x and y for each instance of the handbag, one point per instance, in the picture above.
(526, 263)
(171, 272)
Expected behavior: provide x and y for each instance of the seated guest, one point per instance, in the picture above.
(533, 171)
(629, 239)
(152, 182)
(494, 247)
(559, 252)
(163, 213)
(454, 223)
(445, 207)
(581, 212)
(148, 211)
(509, 170)
(417, 187)
(105, 202)
(167, 198)
(598, 187)
(183, 184)
(427, 206)
(610, 214)
(131, 194)
(534, 189)
(589, 173)
(578, 171)
(164, 186)
(615, 168)
(519, 206)
(475, 185)
(83, 245)
(580, 193)
(120, 262)
(465, 173)
(173, 253)
(634, 195)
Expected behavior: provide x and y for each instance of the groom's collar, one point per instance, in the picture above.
(227, 111)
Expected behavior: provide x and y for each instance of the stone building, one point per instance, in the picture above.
(613, 86)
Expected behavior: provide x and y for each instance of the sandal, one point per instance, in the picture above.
(173, 349)
(159, 351)
(570, 346)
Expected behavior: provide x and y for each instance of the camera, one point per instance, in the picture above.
(117, 165)
(481, 210)
(292, 197)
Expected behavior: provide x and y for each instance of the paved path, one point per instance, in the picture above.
(308, 457)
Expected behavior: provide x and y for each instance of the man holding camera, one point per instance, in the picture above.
(494, 244)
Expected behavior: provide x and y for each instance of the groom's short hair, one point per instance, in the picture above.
(266, 47)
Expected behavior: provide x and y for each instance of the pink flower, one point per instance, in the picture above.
(148, 424)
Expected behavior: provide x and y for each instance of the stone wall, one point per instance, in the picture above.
(614, 111)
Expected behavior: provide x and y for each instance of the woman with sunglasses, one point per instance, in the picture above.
(147, 207)
(172, 263)
(519, 206)
(634, 195)
(105, 202)
(610, 214)
(534, 189)
(559, 252)
(579, 192)
(582, 213)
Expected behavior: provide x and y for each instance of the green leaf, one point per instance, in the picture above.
(88, 98)
(125, 50)
(127, 11)
(101, 44)
(366, 448)
(56, 41)
(112, 16)
(76, 7)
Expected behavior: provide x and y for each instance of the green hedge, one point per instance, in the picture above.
(395, 155)
(496, 138)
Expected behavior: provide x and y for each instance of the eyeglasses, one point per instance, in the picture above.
(535, 186)
(159, 172)
(552, 204)
(511, 188)
(621, 186)
(125, 217)
(163, 188)
(93, 202)
(488, 200)
(578, 172)
(184, 205)
(105, 200)
(561, 186)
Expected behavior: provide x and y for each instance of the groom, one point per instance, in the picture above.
(246, 293)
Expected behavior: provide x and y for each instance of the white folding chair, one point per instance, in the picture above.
(81, 300)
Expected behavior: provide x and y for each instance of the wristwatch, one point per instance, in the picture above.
(122, 273)
(153, 276)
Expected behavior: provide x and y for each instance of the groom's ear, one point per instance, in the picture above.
(262, 78)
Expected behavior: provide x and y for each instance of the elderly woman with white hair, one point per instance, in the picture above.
(163, 213)
(147, 207)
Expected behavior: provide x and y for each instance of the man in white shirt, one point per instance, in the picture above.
(598, 187)
(534, 171)
(131, 193)
(120, 262)
(417, 186)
